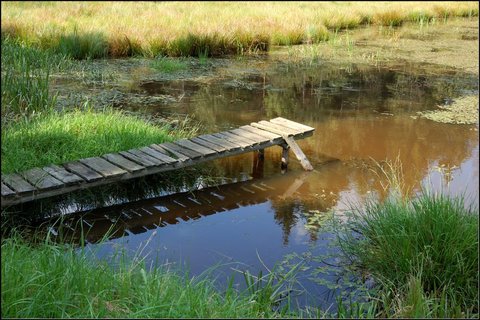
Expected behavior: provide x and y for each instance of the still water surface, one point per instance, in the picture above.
(361, 115)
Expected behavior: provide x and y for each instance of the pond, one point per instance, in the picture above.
(261, 216)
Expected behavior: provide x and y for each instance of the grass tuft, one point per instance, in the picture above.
(424, 250)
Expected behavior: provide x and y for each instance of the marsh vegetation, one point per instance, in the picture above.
(356, 72)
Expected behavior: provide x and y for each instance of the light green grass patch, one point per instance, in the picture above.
(58, 138)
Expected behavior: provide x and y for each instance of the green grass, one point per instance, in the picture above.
(54, 281)
(25, 80)
(168, 65)
(423, 252)
(61, 137)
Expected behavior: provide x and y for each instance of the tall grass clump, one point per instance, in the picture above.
(49, 280)
(25, 79)
(88, 45)
(423, 252)
(60, 137)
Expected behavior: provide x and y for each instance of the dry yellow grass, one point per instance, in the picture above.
(164, 27)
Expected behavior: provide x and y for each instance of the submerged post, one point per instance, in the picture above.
(258, 163)
(285, 156)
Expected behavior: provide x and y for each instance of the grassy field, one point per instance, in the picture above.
(91, 30)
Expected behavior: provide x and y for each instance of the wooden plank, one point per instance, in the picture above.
(104, 167)
(171, 153)
(123, 162)
(6, 191)
(292, 124)
(232, 138)
(298, 153)
(63, 175)
(140, 160)
(268, 126)
(17, 183)
(186, 152)
(145, 156)
(156, 154)
(243, 136)
(252, 136)
(218, 141)
(209, 144)
(41, 179)
(195, 147)
(83, 171)
(266, 134)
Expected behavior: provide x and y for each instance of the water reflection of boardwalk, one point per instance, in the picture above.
(138, 217)
(53, 180)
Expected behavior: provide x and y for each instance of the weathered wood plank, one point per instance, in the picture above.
(232, 138)
(145, 156)
(268, 126)
(292, 124)
(83, 171)
(243, 136)
(159, 155)
(63, 175)
(6, 191)
(17, 183)
(298, 153)
(266, 134)
(209, 145)
(103, 167)
(41, 179)
(195, 147)
(169, 152)
(220, 141)
(140, 160)
(123, 162)
(186, 152)
(252, 136)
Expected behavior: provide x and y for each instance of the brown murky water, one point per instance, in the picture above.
(362, 115)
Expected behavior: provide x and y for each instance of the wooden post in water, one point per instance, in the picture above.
(258, 163)
(284, 166)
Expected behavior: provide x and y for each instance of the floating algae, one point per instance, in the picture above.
(463, 110)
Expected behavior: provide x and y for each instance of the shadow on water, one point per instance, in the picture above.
(363, 115)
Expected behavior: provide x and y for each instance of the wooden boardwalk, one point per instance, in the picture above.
(49, 181)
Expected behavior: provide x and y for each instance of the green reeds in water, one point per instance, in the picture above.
(423, 253)
(55, 280)
(25, 80)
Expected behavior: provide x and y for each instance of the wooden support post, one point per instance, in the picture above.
(258, 163)
(298, 153)
(285, 157)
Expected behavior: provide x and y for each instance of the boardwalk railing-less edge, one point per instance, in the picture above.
(52, 180)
